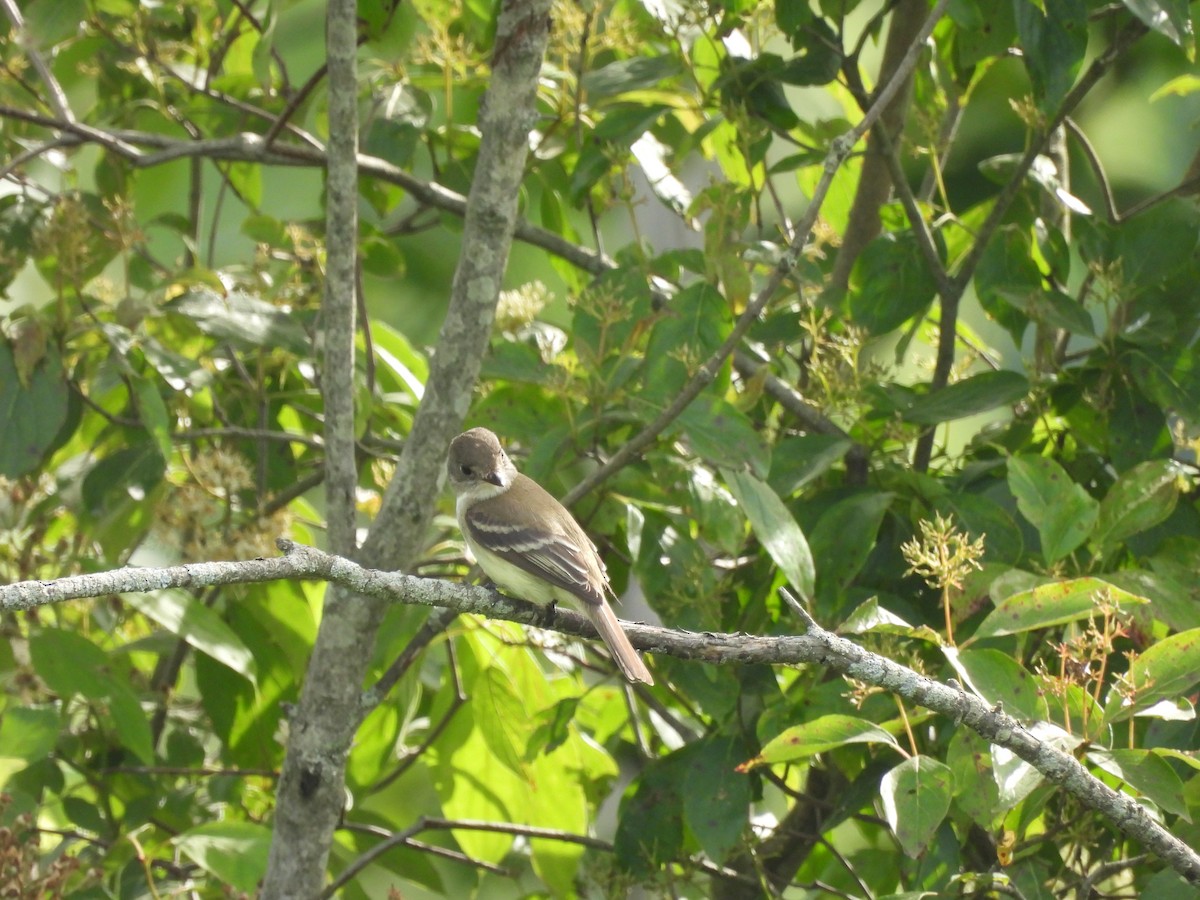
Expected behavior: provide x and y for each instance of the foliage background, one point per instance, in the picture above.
(1010, 347)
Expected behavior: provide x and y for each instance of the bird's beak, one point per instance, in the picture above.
(494, 478)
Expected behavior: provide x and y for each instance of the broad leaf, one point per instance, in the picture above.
(1062, 511)
(1140, 499)
(775, 527)
(234, 853)
(977, 394)
(183, 615)
(32, 410)
(916, 797)
(818, 736)
(1166, 670)
(1053, 604)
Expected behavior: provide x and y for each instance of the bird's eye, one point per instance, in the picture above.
(466, 470)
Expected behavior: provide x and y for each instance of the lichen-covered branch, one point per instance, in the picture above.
(816, 646)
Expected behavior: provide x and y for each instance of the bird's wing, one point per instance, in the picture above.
(557, 558)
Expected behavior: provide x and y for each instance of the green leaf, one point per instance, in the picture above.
(202, 628)
(28, 732)
(1140, 499)
(242, 319)
(844, 537)
(696, 323)
(977, 394)
(1168, 669)
(916, 797)
(717, 815)
(650, 828)
(624, 123)
(1054, 44)
(1170, 18)
(869, 617)
(68, 662)
(817, 736)
(1007, 270)
(775, 528)
(1180, 86)
(997, 677)
(1054, 308)
(1170, 588)
(1053, 604)
(234, 853)
(1062, 511)
(500, 715)
(131, 722)
(1156, 243)
(626, 75)
(153, 413)
(1148, 773)
(796, 461)
(1016, 778)
(757, 85)
(52, 21)
(981, 517)
(893, 284)
(724, 436)
(975, 788)
(31, 411)
(986, 28)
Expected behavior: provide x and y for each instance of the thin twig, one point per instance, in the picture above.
(58, 97)
(838, 152)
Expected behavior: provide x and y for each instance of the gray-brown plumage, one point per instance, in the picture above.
(529, 544)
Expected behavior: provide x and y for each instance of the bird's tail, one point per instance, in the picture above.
(629, 661)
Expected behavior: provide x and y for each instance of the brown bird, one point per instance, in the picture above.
(527, 542)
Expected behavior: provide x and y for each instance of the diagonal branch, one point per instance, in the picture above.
(816, 646)
(58, 97)
(704, 376)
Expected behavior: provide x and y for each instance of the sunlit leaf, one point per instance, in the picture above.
(1055, 603)
(915, 797)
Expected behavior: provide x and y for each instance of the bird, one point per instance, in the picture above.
(529, 544)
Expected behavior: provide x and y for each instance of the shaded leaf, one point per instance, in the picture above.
(31, 411)
(1148, 773)
(1140, 499)
(844, 537)
(893, 284)
(717, 815)
(977, 394)
(997, 677)
(243, 320)
(775, 527)
(1062, 511)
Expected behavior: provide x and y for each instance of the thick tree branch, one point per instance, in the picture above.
(309, 796)
(311, 793)
(341, 263)
(816, 646)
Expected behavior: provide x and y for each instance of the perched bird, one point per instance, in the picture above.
(527, 542)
